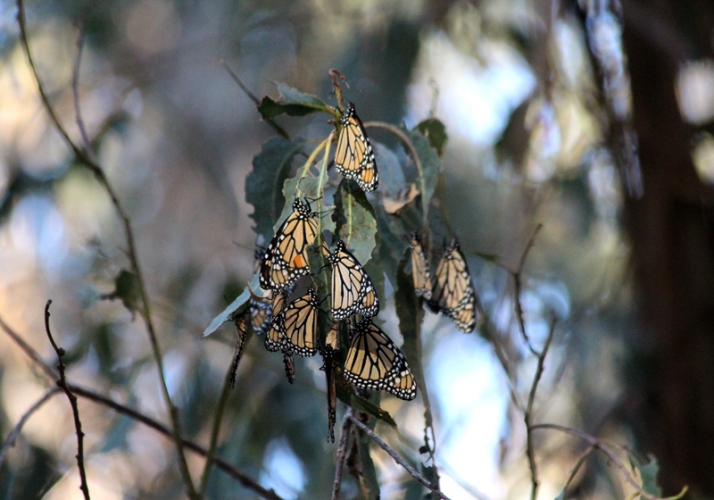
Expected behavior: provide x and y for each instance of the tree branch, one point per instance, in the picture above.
(145, 310)
(62, 383)
(528, 414)
(396, 457)
(340, 457)
(83, 392)
(15, 432)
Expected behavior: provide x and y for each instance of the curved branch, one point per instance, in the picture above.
(15, 432)
(396, 457)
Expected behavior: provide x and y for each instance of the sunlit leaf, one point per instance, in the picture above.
(264, 184)
(355, 220)
(239, 303)
(291, 102)
(435, 131)
(403, 197)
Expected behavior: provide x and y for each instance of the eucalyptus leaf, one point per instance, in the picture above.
(355, 220)
(291, 102)
(435, 131)
(239, 302)
(264, 184)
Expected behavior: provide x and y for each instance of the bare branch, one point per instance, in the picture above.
(273, 124)
(15, 432)
(528, 414)
(396, 457)
(140, 417)
(517, 287)
(341, 451)
(145, 310)
(161, 428)
(62, 383)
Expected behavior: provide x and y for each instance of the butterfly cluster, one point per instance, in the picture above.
(451, 291)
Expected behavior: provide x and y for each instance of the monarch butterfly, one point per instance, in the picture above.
(420, 268)
(285, 260)
(453, 292)
(354, 157)
(242, 334)
(300, 324)
(329, 352)
(374, 362)
(275, 339)
(351, 288)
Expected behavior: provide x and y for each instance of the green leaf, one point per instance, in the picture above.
(648, 473)
(355, 220)
(126, 288)
(391, 170)
(435, 131)
(293, 103)
(263, 186)
(430, 167)
(240, 301)
(306, 185)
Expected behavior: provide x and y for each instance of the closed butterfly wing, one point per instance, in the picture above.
(453, 292)
(374, 362)
(421, 273)
(275, 339)
(300, 324)
(286, 259)
(351, 288)
(354, 157)
(329, 352)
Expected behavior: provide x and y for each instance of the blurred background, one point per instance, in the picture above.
(592, 118)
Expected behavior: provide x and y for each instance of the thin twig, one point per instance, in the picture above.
(62, 383)
(145, 308)
(15, 432)
(210, 458)
(83, 392)
(528, 414)
(517, 288)
(396, 457)
(278, 129)
(340, 457)
(75, 92)
(579, 463)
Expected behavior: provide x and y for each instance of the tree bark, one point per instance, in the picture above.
(670, 379)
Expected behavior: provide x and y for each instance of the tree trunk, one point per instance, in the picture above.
(670, 379)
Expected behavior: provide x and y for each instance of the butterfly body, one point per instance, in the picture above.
(354, 157)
